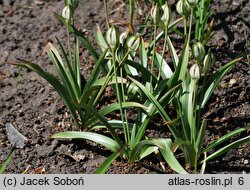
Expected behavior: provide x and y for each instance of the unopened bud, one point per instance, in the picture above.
(198, 51)
(156, 13)
(192, 3)
(208, 62)
(183, 8)
(195, 72)
(66, 13)
(123, 37)
(166, 14)
(133, 42)
(120, 53)
(112, 38)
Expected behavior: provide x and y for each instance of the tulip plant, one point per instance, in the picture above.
(144, 80)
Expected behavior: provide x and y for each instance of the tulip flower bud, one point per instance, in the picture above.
(120, 53)
(183, 8)
(192, 3)
(133, 42)
(123, 37)
(166, 14)
(208, 62)
(66, 13)
(156, 13)
(112, 38)
(198, 51)
(195, 72)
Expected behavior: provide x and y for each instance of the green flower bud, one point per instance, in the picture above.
(66, 13)
(166, 14)
(198, 51)
(208, 62)
(133, 42)
(156, 13)
(195, 72)
(112, 38)
(183, 8)
(123, 37)
(120, 53)
(192, 3)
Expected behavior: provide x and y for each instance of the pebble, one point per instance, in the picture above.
(246, 162)
(232, 82)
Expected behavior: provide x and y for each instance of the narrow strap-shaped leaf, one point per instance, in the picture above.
(77, 69)
(7, 161)
(105, 165)
(62, 72)
(96, 71)
(113, 107)
(201, 135)
(62, 91)
(173, 52)
(92, 111)
(152, 98)
(161, 34)
(100, 39)
(144, 71)
(80, 35)
(226, 137)
(210, 85)
(166, 70)
(164, 146)
(95, 137)
(227, 148)
(144, 57)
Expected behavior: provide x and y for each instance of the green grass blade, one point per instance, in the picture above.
(7, 161)
(97, 138)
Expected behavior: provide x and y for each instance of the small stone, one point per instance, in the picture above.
(232, 82)
(246, 162)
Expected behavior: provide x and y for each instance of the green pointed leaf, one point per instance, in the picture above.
(227, 148)
(226, 137)
(164, 146)
(97, 138)
(62, 91)
(7, 161)
(105, 165)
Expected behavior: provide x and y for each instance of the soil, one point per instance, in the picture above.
(34, 108)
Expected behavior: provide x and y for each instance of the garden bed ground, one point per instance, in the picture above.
(34, 108)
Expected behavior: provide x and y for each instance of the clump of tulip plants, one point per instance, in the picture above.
(146, 81)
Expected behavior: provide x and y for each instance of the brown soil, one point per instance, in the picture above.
(34, 108)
